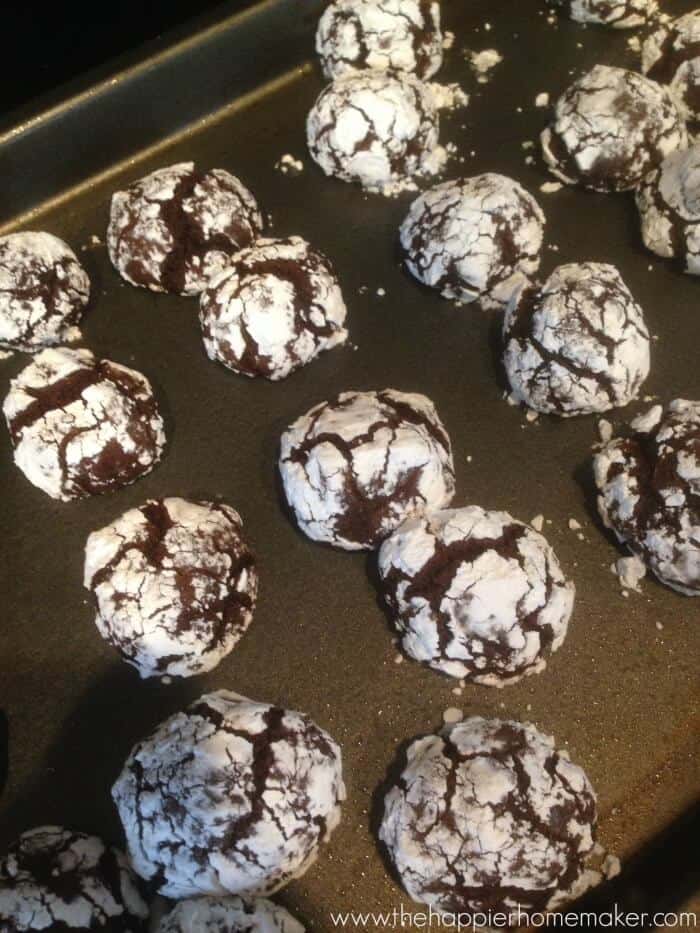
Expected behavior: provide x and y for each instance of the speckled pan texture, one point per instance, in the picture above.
(621, 694)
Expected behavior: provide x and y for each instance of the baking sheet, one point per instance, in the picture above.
(622, 693)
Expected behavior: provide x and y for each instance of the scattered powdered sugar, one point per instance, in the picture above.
(551, 187)
(288, 165)
(537, 522)
(452, 714)
(448, 96)
(482, 63)
(630, 571)
(542, 99)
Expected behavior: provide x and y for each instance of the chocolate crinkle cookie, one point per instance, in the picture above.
(649, 492)
(355, 467)
(43, 292)
(620, 14)
(389, 35)
(475, 594)
(671, 56)
(377, 129)
(229, 915)
(610, 128)
(56, 880)
(489, 815)
(577, 344)
(82, 426)
(474, 239)
(276, 306)
(175, 585)
(172, 230)
(229, 797)
(669, 209)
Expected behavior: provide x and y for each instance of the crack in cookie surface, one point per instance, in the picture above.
(489, 815)
(610, 128)
(649, 492)
(175, 585)
(231, 796)
(82, 426)
(577, 344)
(275, 308)
(391, 35)
(354, 467)
(43, 292)
(474, 239)
(173, 229)
(57, 880)
(475, 594)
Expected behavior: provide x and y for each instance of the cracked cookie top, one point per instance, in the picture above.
(649, 492)
(82, 426)
(43, 291)
(475, 594)
(175, 585)
(229, 797)
(173, 229)
(389, 35)
(669, 208)
(354, 467)
(489, 815)
(275, 307)
(229, 915)
(610, 128)
(474, 239)
(620, 14)
(577, 344)
(377, 129)
(52, 879)
(671, 56)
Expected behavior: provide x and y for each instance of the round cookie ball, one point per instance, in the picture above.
(671, 56)
(276, 306)
(43, 291)
(53, 879)
(649, 492)
(355, 467)
(377, 129)
(474, 239)
(389, 35)
(610, 128)
(475, 594)
(175, 585)
(620, 14)
(669, 209)
(577, 344)
(229, 797)
(173, 229)
(229, 915)
(488, 815)
(82, 426)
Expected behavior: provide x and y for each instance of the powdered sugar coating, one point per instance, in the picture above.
(53, 879)
(610, 128)
(43, 291)
(173, 229)
(355, 467)
(620, 14)
(475, 594)
(489, 815)
(175, 585)
(649, 492)
(671, 56)
(669, 208)
(229, 915)
(229, 797)
(577, 344)
(82, 426)
(474, 239)
(275, 307)
(377, 129)
(389, 35)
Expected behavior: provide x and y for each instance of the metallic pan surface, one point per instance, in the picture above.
(622, 693)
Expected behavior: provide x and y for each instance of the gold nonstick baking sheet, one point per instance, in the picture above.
(622, 694)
